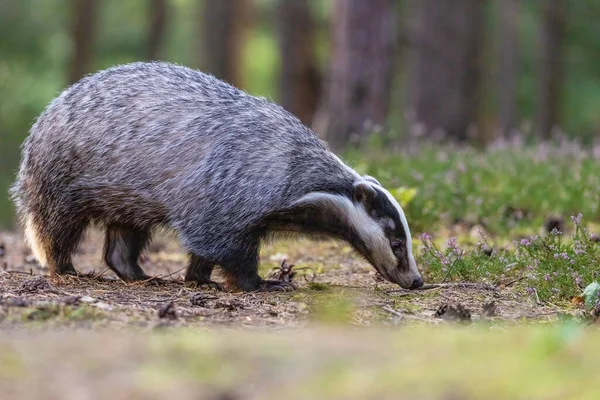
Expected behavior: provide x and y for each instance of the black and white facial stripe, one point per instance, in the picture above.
(378, 225)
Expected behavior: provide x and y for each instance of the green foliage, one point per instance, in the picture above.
(591, 294)
(550, 267)
(506, 189)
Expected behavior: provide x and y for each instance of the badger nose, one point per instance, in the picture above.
(417, 283)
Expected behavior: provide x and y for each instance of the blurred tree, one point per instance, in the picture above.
(156, 28)
(551, 78)
(508, 62)
(83, 34)
(224, 26)
(357, 92)
(299, 77)
(445, 74)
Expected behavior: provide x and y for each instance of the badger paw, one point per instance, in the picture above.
(276, 286)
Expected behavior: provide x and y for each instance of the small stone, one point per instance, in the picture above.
(87, 299)
(104, 306)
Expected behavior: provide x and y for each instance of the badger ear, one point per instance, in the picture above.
(363, 194)
(372, 180)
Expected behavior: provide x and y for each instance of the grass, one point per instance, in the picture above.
(492, 188)
(551, 267)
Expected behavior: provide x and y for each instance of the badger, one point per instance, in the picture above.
(151, 145)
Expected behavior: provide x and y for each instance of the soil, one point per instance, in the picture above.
(339, 286)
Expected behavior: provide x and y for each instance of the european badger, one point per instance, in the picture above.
(146, 145)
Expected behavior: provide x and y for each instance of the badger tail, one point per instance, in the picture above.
(33, 237)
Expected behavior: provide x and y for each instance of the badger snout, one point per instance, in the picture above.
(410, 279)
(417, 283)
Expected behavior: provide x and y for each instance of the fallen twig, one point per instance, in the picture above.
(160, 277)
(510, 283)
(101, 273)
(172, 298)
(30, 273)
(462, 285)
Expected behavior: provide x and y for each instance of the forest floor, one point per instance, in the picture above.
(96, 337)
(335, 286)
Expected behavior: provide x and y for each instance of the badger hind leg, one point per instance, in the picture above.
(53, 241)
(199, 272)
(122, 249)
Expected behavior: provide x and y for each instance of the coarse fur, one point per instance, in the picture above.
(148, 145)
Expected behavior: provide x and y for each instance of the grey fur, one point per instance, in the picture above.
(144, 145)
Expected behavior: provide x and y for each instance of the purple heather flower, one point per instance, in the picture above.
(547, 277)
(451, 243)
(426, 237)
(530, 290)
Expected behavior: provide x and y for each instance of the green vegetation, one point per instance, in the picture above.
(508, 189)
(550, 267)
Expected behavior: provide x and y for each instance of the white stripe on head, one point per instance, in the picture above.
(403, 220)
(358, 218)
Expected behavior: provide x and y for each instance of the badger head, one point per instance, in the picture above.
(382, 233)
(371, 220)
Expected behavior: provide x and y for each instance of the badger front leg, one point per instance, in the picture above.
(199, 272)
(242, 272)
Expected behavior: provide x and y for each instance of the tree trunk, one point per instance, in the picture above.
(83, 35)
(299, 80)
(508, 61)
(357, 94)
(550, 68)
(445, 74)
(223, 31)
(156, 29)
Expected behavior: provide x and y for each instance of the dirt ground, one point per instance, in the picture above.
(338, 287)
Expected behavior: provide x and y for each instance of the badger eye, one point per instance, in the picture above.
(397, 244)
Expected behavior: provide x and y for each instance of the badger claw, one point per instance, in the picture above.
(275, 286)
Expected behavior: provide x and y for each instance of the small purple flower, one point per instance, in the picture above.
(453, 247)
(547, 277)
(531, 268)
(556, 255)
(577, 219)
(426, 237)
(445, 261)
(525, 242)
(530, 290)
(578, 280)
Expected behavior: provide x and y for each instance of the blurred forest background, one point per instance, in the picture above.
(359, 72)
